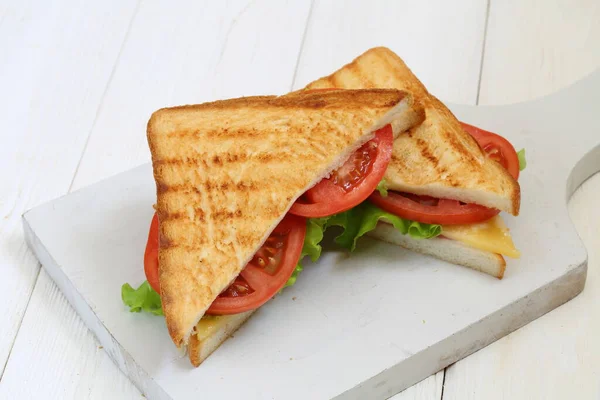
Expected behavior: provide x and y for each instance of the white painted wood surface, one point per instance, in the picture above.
(27, 43)
(56, 59)
(536, 47)
(441, 41)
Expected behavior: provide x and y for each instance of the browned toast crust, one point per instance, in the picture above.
(437, 158)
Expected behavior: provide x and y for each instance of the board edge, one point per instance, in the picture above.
(399, 377)
(120, 357)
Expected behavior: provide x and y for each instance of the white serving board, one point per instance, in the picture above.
(364, 326)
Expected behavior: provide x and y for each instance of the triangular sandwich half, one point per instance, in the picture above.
(228, 171)
(438, 159)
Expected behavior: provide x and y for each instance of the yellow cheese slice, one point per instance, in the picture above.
(491, 235)
(211, 327)
(210, 324)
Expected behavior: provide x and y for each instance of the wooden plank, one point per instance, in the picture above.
(57, 58)
(536, 47)
(553, 44)
(334, 37)
(441, 41)
(212, 50)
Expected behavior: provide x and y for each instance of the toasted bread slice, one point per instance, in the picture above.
(437, 158)
(448, 250)
(227, 172)
(210, 332)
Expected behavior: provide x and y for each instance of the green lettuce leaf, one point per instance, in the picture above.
(522, 160)
(315, 228)
(382, 188)
(292, 279)
(363, 219)
(144, 298)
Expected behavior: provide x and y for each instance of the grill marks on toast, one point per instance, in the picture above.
(438, 157)
(426, 153)
(221, 159)
(227, 172)
(240, 186)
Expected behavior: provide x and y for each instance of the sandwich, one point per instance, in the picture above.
(235, 181)
(441, 172)
(439, 193)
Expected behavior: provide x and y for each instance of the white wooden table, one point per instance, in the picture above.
(78, 81)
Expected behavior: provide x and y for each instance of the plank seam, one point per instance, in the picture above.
(308, 19)
(444, 382)
(485, 30)
(12, 345)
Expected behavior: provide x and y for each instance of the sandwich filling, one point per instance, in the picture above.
(474, 225)
(323, 207)
(338, 200)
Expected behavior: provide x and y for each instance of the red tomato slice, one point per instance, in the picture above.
(352, 183)
(151, 255)
(268, 271)
(260, 280)
(451, 212)
(496, 147)
(430, 210)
